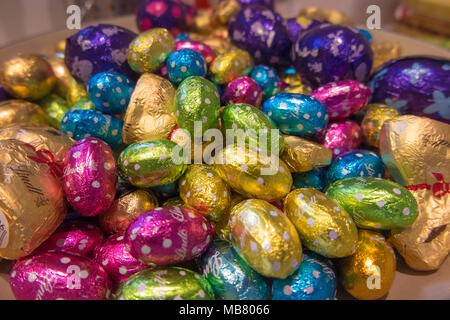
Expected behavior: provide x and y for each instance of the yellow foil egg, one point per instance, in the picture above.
(302, 89)
(150, 49)
(55, 107)
(376, 115)
(253, 174)
(202, 188)
(370, 272)
(385, 51)
(75, 92)
(151, 112)
(265, 238)
(21, 111)
(231, 65)
(222, 227)
(174, 202)
(27, 77)
(62, 74)
(323, 226)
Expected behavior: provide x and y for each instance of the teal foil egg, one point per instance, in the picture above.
(267, 79)
(185, 63)
(316, 178)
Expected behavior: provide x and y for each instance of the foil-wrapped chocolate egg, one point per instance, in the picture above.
(265, 238)
(267, 3)
(59, 276)
(168, 236)
(231, 65)
(79, 124)
(110, 92)
(166, 190)
(330, 53)
(116, 260)
(385, 51)
(230, 277)
(98, 48)
(202, 189)
(174, 202)
(322, 225)
(63, 77)
(342, 137)
(376, 115)
(150, 164)
(208, 53)
(83, 103)
(28, 77)
(417, 85)
(343, 98)
(296, 114)
(370, 272)
(267, 79)
(253, 174)
(20, 112)
(243, 90)
(314, 279)
(375, 203)
(125, 209)
(197, 100)
(149, 50)
(299, 25)
(316, 178)
(90, 176)
(261, 31)
(358, 163)
(75, 92)
(55, 107)
(166, 284)
(185, 63)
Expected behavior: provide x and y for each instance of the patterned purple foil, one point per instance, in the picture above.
(268, 3)
(296, 28)
(342, 137)
(243, 90)
(416, 85)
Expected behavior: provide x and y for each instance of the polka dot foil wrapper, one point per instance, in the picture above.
(185, 63)
(243, 90)
(267, 79)
(208, 53)
(342, 137)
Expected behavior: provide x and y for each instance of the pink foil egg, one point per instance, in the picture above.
(114, 257)
(206, 51)
(59, 276)
(243, 90)
(169, 235)
(75, 237)
(90, 176)
(343, 98)
(342, 137)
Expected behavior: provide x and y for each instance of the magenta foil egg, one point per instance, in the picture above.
(206, 51)
(59, 276)
(342, 137)
(114, 257)
(343, 98)
(90, 176)
(243, 90)
(169, 235)
(74, 237)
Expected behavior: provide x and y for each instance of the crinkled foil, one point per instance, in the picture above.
(62, 74)
(225, 11)
(21, 111)
(231, 65)
(376, 115)
(55, 107)
(203, 21)
(385, 51)
(220, 45)
(329, 15)
(76, 91)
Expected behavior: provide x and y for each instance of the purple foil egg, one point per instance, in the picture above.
(414, 85)
(206, 51)
(267, 3)
(330, 53)
(114, 257)
(296, 28)
(99, 48)
(343, 98)
(168, 236)
(59, 276)
(342, 137)
(90, 176)
(262, 33)
(75, 237)
(243, 90)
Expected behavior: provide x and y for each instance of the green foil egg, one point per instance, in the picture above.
(150, 164)
(166, 284)
(84, 104)
(375, 203)
(55, 107)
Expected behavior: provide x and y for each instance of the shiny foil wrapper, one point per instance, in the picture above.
(219, 45)
(185, 63)
(222, 227)
(126, 209)
(370, 272)
(342, 136)
(290, 77)
(208, 53)
(55, 107)
(231, 65)
(230, 277)
(166, 284)
(225, 10)
(151, 112)
(75, 92)
(243, 90)
(316, 178)
(385, 51)
(174, 202)
(83, 104)
(203, 23)
(265, 238)
(267, 79)
(21, 111)
(300, 89)
(416, 153)
(376, 115)
(302, 155)
(29, 184)
(329, 15)
(28, 77)
(63, 77)
(323, 226)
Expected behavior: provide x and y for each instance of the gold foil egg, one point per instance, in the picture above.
(231, 65)
(174, 202)
(329, 15)
(202, 188)
(150, 49)
(21, 111)
(265, 238)
(151, 112)
(225, 10)
(301, 155)
(385, 51)
(55, 107)
(27, 77)
(376, 115)
(203, 21)
(222, 226)
(62, 74)
(302, 89)
(75, 92)
(370, 272)
(323, 226)
(32, 203)
(253, 174)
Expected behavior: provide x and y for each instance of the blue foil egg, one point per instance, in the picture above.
(316, 178)
(230, 277)
(296, 114)
(359, 163)
(314, 279)
(182, 37)
(167, 190)
(110, 92)
(79, 124)
(267, 79)
(185, 63)
(366, 34)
